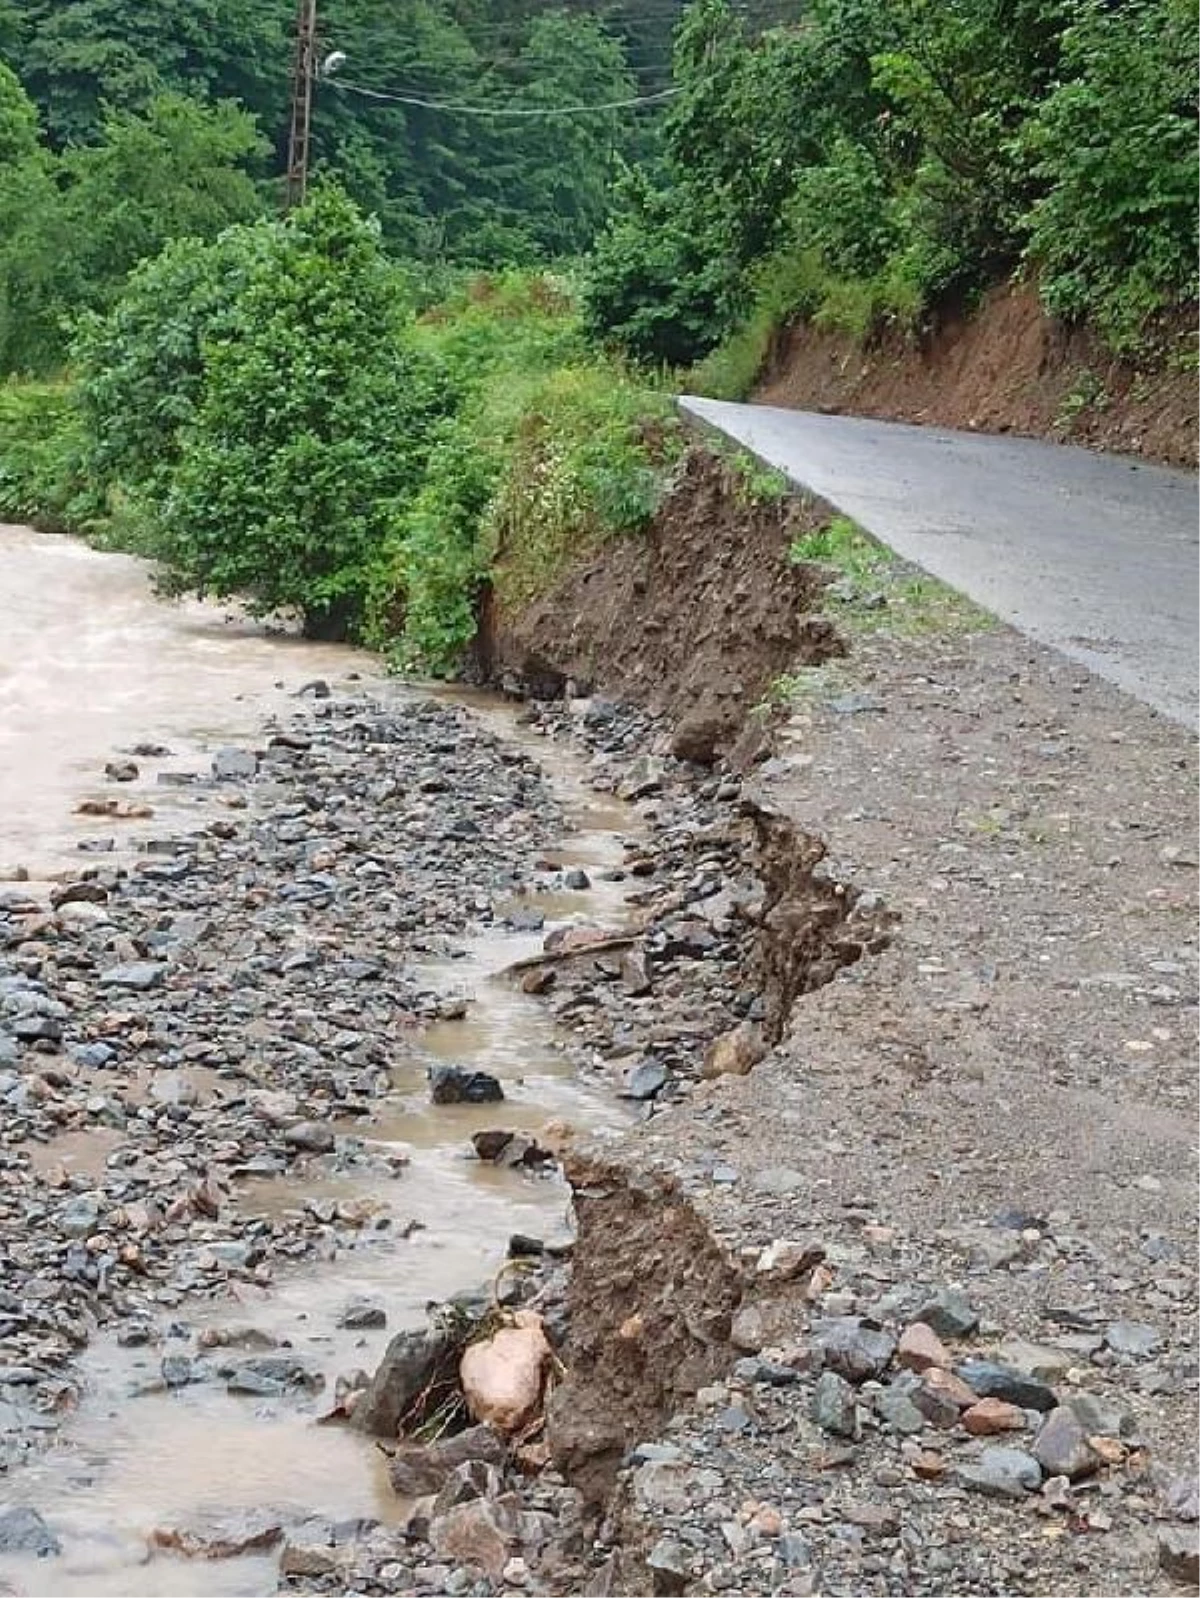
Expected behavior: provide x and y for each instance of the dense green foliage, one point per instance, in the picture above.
(876, 160)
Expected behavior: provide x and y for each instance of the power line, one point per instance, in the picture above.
(500, 110)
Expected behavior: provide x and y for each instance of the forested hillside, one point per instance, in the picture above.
(527, 224)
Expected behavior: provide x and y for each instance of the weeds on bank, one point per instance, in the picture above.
(872, 591)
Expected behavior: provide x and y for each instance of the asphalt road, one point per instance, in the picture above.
(1095, 555)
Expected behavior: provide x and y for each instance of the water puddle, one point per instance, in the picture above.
(90, 663)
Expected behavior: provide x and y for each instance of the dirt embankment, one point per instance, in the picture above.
(1007, 368)
(693, 619)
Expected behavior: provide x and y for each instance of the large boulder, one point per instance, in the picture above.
(503, 1375)
(411, 1362)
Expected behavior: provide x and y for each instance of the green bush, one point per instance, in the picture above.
(39, 456)
(1114, 235)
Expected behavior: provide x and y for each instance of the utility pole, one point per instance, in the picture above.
(304, 74)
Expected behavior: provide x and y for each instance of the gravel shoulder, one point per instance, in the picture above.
(1003, 1102)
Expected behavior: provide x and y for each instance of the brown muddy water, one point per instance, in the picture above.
(91, 664)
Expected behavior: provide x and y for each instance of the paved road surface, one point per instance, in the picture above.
(1093, 554)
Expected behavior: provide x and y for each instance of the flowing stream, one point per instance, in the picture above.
(90, 665)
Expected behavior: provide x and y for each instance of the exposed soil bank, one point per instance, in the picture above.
(693, 619)
(1007, 368)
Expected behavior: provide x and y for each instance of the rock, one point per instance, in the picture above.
(669, 1566)
(1132, 1339)
(122, 771)
(920, 1349)
(1179, 1554)
(576, 880)
(635, 972)
(990, 1379)
(450, 1084)
(734, 1053)
(1098, 1418)
(65, 893)
(643, 778)
(502, 1376)
(311, 1137)
(1061, 1447)
(990, 1416)
(139, 976)
(1181, 1497)
(941, 1397)
(313, 1560)
(1035, 1359)
(480, 1533)
(853, 1347)
(1001, 1473)
(230, 764)
(787, 1258)
(699, 736)
(417, 1469)
(23, 1531)
(834, 1406)
(287, 1369)
(948, 1313)
(362, 1314)
(221, 1536)
(177, 1370)
(646, 1080)
(409, 1364)
(896, 1409)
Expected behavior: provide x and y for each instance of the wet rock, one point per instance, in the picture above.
(1179, 1554)
(635, 972)
(231, 764)
(409, 1364)
(646, 1080)
(178, 1371)
(502, 1376)
(1061, 1446)
(949, 1313)
(313, 1559)
(989, 1379)
(1132, 1339)
(735, 1053)
(510, 1148)
(450, 1084)
(288, 1370)
(576, 880)
(362, 1314)
(65, 893)
(138, 976)
(222, 1536)
(23, 1531)
(834, 1406)
(1001, 1473)
(853, 1347)
(310, 1137)
(481, 1534)
(121, 771)
(418, 1469)
(643, 778)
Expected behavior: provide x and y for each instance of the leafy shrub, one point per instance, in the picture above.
(1114, 233)
(39, 456)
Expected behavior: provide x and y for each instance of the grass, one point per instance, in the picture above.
(873, 591)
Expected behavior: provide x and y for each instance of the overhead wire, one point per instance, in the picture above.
(497, 110)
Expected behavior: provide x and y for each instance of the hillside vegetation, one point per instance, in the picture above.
(464, 341)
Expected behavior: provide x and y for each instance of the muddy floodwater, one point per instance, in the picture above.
(91, 666)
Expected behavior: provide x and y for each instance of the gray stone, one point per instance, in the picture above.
(79, 1216)
(289, 1370)
(949, 1313)
(23, 1531)
(409, 1363)
(990, 1379)
(312, 1137)
(450, 1084)
(834, 1407)
(362, 1314)
(1179, 1554)
(647, 1078)
(670, 1567)
(793, 1550)
(1099, 1418)
(230, 764)
(852, 1347)
(644, 777)
(1132, 1339)
(177, 1370)
(898, 1412)
(1061, 1446)
(1001, 1473)
(138, 976)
